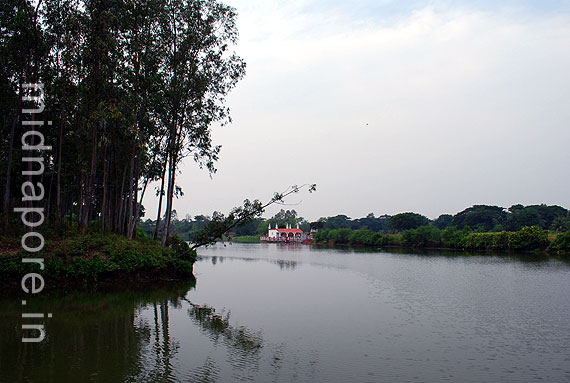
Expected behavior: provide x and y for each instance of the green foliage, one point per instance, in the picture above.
(322, 236)
(249, 228)
(480, 217)
(547, 217)
(528, 238)
(87, 258)
(363, 237)
(561, 242)
(561, 224)
(339, 236)
(452, 238)
(246, 239)
(407, 221)
(181, 248)
(443, 221)
(250, 211)
(423, 236)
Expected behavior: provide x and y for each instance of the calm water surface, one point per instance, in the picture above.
(270, 313)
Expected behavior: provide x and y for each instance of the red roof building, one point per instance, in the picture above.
(287, 234)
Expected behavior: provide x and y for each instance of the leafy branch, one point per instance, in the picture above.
(241, 215)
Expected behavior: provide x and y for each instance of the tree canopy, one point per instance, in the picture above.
(130, 89)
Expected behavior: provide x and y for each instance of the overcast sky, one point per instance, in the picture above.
(393, 106)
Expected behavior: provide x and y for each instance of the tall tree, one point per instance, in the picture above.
(198, 74)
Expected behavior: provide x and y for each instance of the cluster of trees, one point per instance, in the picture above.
(480, 218)
(189, 227)
(480, 227)
(527, 238)
(132, 88)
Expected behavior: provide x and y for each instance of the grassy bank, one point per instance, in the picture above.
(526, 239)
(95, 258)
(246, 239)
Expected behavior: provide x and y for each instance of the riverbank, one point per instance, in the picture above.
(85, 260)
(246, 239)
(428, 237)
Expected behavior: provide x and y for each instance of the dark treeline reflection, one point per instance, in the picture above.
(98, 336)
(283, 264)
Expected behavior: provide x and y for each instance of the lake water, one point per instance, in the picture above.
(283, 313)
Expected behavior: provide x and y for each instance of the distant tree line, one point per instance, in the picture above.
(526, 239)
(410, 229)
(480, 218)
(480, 227)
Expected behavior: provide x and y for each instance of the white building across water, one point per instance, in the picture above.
(288, 234)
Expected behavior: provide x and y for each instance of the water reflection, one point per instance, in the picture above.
(219, 328)
(116, 336)
(284, 264)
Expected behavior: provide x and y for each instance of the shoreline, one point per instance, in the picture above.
(79, 261)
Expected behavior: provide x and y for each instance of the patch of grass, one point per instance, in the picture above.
(246, 239)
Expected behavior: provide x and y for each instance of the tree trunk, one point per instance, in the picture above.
(136, 215)
(158, 216)
(6, 201)
(104, 203)
(90, 183)
(120, 221)
(169, 196)
(131, 193)
(59, 154)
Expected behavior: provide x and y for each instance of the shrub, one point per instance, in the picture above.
(561, 242)
(478, 241)
(501, 240)
(453, 238)
(388, 240)
(181, 248)
(322, 235)
(339, 236)
(362, 237)
(529, 238)
(424, 236)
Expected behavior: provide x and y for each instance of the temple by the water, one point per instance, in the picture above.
(287, 234)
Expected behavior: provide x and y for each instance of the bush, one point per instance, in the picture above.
(529, 238)
(363, 237)
(424, 236)
(88, 257)
(561, 242)
(181, 248)
(321, 235)
(453, 239)
(388, 240)
(501, 240)
(339, 236)
(478, 241)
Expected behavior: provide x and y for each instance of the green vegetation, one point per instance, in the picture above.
(97, 258)
(190, 228)
(361, 237)
(246, 239)
(528, 238)
(480, 218)
(132, 88)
